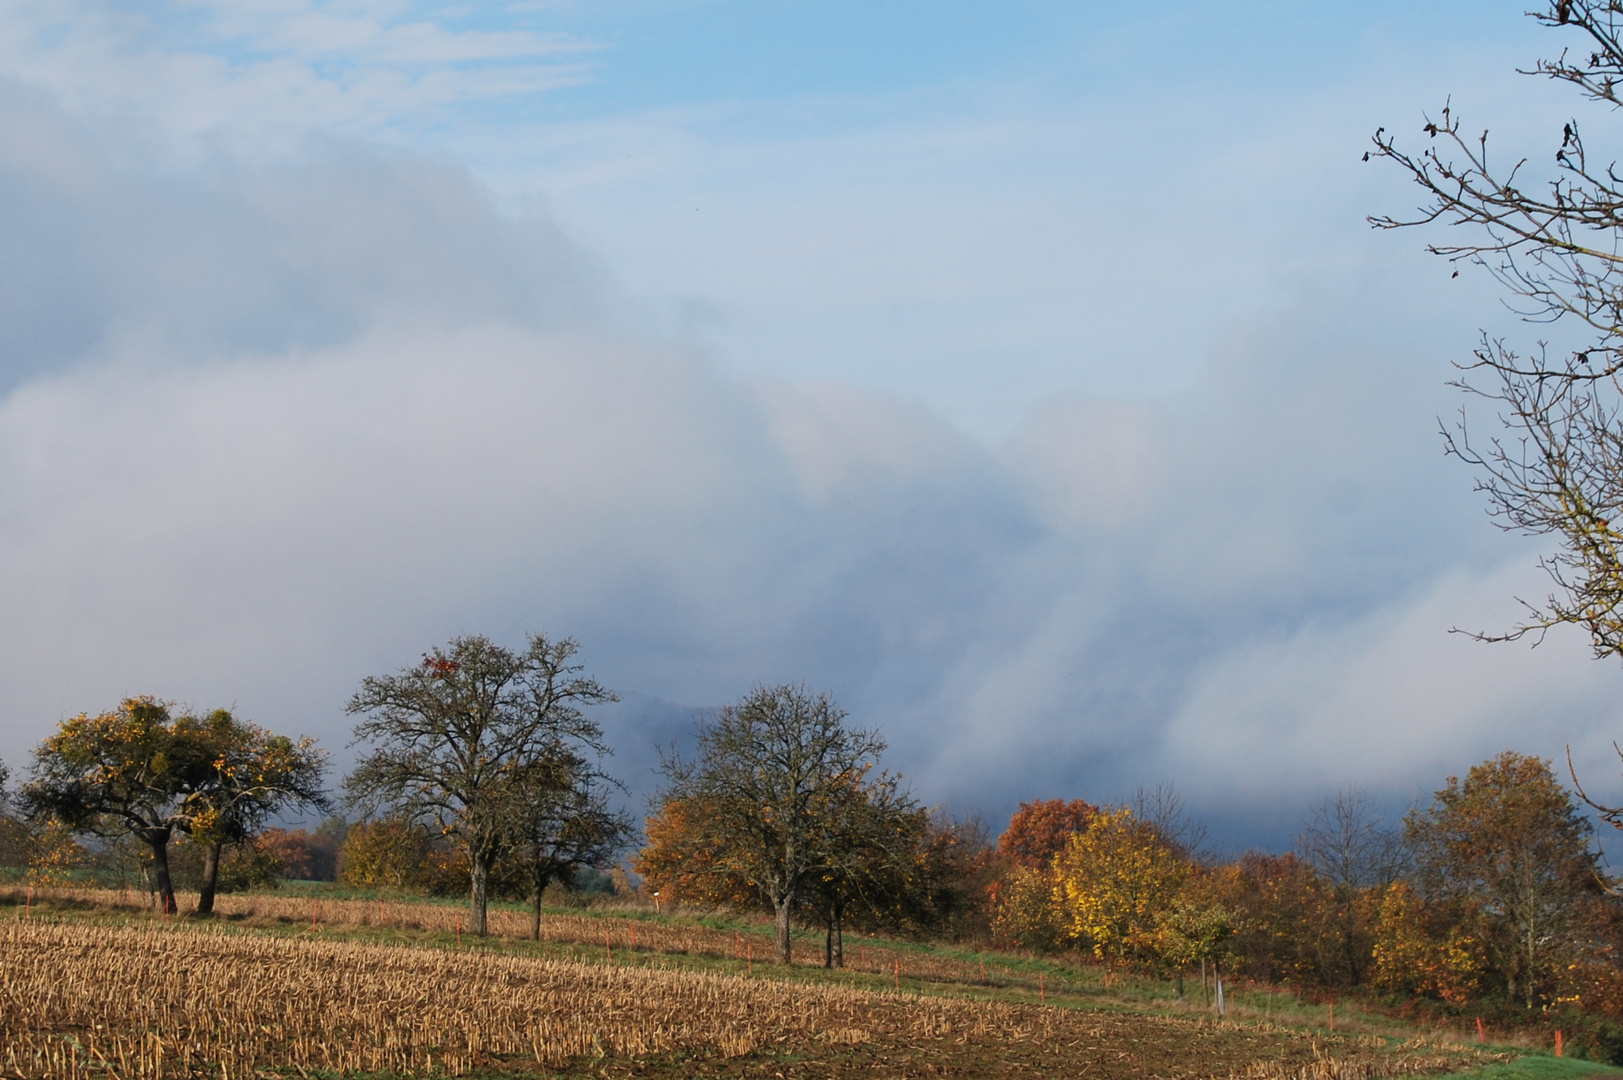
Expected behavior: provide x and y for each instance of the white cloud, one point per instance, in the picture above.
(1391, 696)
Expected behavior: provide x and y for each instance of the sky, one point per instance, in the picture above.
(1026, 375)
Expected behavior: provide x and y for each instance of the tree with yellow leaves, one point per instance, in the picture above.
(1410, 958)
(1114, 882)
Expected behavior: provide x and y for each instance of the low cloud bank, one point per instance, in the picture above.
(269, 430)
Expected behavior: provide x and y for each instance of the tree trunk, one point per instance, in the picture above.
(211, 879)
(1532, 953)
(783, 904)
(480, 875)
(158, 841)
(839, 934)
(828, 944)
(535, 907)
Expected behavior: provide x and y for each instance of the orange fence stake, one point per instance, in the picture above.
(1481, 1036)
(1557, 1042)
(633, 933)
(898, 962)
(1042, 988)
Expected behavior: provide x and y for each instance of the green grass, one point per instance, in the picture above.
(1539, 1066)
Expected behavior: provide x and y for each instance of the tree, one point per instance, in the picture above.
(682, 856)
(1114, 881)
(1193, 928)
(399, 855)
(1285, 920)
(1025, 909)
(874, 864)
(760, 789)
(1352, 849)
(1551, 240)
(1040, 829)
(307, 856)
(134, 770)
(557, 818)
(1350, 845)
(1509, 842)
(957, 869)
(1163, 810)
(456, 731)
(1420, 951)
(251, 776)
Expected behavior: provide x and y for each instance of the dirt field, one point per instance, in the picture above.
(81, 1000)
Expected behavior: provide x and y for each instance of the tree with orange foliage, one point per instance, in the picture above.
(1040, 830)
(683, 859)
(1286, 920)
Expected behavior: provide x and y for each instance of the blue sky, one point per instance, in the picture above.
(1026, 375)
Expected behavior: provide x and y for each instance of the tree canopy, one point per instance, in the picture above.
(1547, 228)
(136, 769)
(765, 793)
(459, 735)
(1509, 843)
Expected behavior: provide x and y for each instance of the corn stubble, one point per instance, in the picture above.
(86, 1000)
(138, 1002)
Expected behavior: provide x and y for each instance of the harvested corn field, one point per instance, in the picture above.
(139, 1003)
(624, 935)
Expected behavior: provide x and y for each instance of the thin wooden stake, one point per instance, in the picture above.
(898, 974)
(1042, 988)
(750, 954)
(608, 948)
(1557, 1042)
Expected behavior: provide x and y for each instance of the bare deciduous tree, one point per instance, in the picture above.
(557, 819)
(1350, 845)
(1163, 809)
(1551, 237)
(457, 731)
(763, 786)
